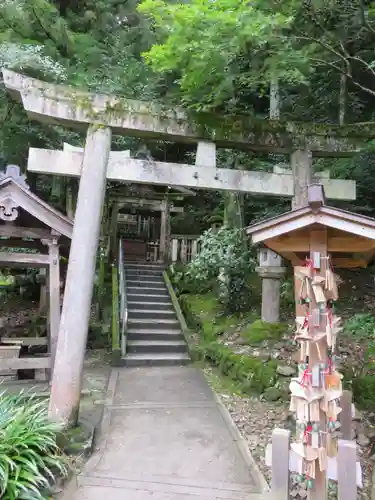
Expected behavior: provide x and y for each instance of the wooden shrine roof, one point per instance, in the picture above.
(21, 211)
(350, 236)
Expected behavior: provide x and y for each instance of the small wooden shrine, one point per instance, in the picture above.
(316, 239)
(32, 235)
(144, 218)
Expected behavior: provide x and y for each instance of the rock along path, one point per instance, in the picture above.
(165, 436)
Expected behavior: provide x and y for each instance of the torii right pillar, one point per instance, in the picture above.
(271, 269)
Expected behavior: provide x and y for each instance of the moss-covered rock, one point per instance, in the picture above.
(259, 331)
(272, 394)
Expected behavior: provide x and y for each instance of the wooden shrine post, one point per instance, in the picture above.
(165, 230)
(54, 294)
(318, 351)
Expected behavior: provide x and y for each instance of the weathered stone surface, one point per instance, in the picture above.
(72, 107)
(286, 371)
(69, 163)
(363, 440)
(272, 394)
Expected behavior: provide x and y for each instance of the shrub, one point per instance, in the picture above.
(183, 282)
(226, 258)
(29, 456)
(361, 326)
(364, 392)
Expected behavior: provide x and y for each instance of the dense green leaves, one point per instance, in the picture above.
(219, 47)
(29, 456)
(225, 255)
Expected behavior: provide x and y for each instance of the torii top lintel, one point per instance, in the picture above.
(71, 107)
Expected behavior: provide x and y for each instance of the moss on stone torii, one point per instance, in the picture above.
(75, 108)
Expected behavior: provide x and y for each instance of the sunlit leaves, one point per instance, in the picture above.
(216, 46)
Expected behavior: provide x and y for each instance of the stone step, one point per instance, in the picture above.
(146, 334)
(142, 290)
(144, 272)
(153, 324)
(148, 305)
(144, 267)
(143, 297)
(156, 359)
(156, 346)
(156, 314)
(145, 283)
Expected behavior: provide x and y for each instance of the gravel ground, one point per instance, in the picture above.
(256, 420)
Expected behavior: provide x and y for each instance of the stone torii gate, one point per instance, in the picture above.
(101, 115)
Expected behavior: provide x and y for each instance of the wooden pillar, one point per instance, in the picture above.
(194, 249)
(71, 345)
(280, 484)
(43, 301)
(54, 296)
(183, 251)
(174, 250)
(165, 231)
(318, 243)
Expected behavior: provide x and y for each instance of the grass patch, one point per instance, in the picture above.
(208, 316)
(203, 314)
(259, 331)
(221, 383)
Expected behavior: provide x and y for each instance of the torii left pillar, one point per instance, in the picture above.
(75, 315)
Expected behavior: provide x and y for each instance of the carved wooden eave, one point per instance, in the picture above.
(72, 107)
(15, 197)
(350, 236)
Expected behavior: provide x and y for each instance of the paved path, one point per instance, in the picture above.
(165, 437)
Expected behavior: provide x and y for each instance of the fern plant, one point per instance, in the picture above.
(30, 459)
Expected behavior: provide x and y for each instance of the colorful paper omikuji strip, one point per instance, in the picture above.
(317, 390)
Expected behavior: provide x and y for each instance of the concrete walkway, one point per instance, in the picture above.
(165, 437)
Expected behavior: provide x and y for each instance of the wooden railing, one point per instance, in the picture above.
(122, 298)
(344, 469)
(153, 251)
(183, 248)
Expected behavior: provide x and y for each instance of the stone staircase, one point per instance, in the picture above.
(154, 334)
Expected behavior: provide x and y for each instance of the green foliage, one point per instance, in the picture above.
(259, 331)
(184, 282)
(218, 46)
(361, 326)
(29, 456)
(203, 314)
(253, 374)
(225, 255)
(219, 50)
(364, 392)
(287, 299)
